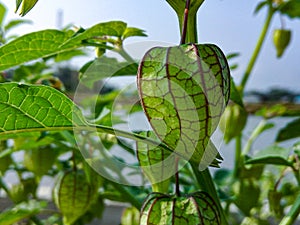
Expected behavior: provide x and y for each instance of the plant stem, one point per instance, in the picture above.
(177, 189)
(257, 48)
(255, 133)
(292, 215)
(238, 154)
(206, 184)
(185, 22)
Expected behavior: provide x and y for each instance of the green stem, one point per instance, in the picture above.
(206, 184)
(255, 133)
(292, 215)
(257, 49)
(238, 154)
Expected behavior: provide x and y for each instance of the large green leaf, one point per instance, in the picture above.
(275, 155)
(21, 211)
(291, 130)
(112, 28)
(28, 108)
(46, 43)
(184, 90)
(32, 46)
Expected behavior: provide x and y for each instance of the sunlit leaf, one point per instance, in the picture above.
(31, 46)
(29, 108)
(15, 23)
(2, 14)
(27, 5)
(21, 211)
(47, 43)
(132, 31)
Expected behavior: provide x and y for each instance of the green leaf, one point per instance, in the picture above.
(46, 43)
(31, 46)
(15, 23)
(27, 5)
(2, 14)
(184, 90)
(67, 55)
(132, 31)
(235, 94)
(260, 6)
(291, 8)
(157, 164)
(105, 67)
(21, 211)
(291, 130)
(29, 108)
(112, 28)
(275, 155)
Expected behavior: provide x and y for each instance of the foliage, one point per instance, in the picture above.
(178, 87)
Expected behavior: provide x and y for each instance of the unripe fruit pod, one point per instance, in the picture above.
(233, 121)
(281, 39)
(17, 193)
(130, 216)
(40, 161)
(72, 194)
(196, 208)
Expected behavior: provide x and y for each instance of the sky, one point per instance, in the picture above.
(230, 24)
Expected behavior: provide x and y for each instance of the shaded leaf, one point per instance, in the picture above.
(105, 67)
(67, 55)
(260, 6)
(272, 155)
(21, 211)
(14, 23)
(232, 55)
(291, 8)
(291, 130)
(235, 94)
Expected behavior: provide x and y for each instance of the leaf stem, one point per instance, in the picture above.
(257, 49)
(185, 22)
(255, 133)
(292, 215)
(177, 189)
